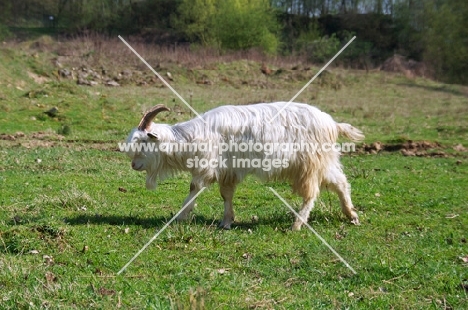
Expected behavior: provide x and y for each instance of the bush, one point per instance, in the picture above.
(307, 38)
(194, 19)
(322, 49)
(4, 32)
(445, 38)
(229, 24)
(243, 24)
(359, 53)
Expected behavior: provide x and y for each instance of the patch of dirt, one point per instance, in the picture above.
(45, 139)
(406, 148)
(32, 144)
(460, 148)
(410, 68)
(95, 145)
(4, 136)
(43, 135)
(237, 74)
(34, 140)
(411, 148)
(38, 79)
(88, 76)
(18, 134)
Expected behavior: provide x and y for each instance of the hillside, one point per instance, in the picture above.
(73, 212)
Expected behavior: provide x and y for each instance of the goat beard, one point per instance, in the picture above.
(151, 181)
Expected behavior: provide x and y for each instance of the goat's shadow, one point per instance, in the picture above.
(145, 222)
(154, 222)
(279, 219)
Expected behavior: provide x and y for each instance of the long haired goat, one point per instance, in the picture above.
(223, 130)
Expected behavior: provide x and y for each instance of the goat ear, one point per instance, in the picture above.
(153, 135)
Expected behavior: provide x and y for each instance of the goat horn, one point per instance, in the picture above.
(150, 115)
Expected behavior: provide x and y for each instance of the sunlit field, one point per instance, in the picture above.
(73, 212)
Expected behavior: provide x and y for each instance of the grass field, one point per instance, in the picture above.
(73, 212)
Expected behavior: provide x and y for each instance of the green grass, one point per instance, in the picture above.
(73, 213)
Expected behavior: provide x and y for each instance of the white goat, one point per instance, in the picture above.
(306, 169)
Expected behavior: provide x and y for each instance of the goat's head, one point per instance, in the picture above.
(146, 157)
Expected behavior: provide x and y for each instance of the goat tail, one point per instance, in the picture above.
(350, 132)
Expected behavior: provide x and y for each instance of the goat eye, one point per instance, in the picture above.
(153, 135)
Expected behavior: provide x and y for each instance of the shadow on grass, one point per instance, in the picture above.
(443, 88)
(153, 222)
(280, 220)
(147, 222)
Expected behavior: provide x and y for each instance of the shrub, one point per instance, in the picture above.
(229, 24)
(4, 32)
(243, 24)
(321, 49)
(445, 38)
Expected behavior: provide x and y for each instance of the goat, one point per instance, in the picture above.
(225, 127)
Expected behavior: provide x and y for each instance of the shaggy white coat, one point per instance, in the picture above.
(297, 123)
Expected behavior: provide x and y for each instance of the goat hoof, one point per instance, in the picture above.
(296, 227)
(226, 226)
(182, 217)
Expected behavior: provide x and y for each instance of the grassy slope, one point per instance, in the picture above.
(406, 251)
